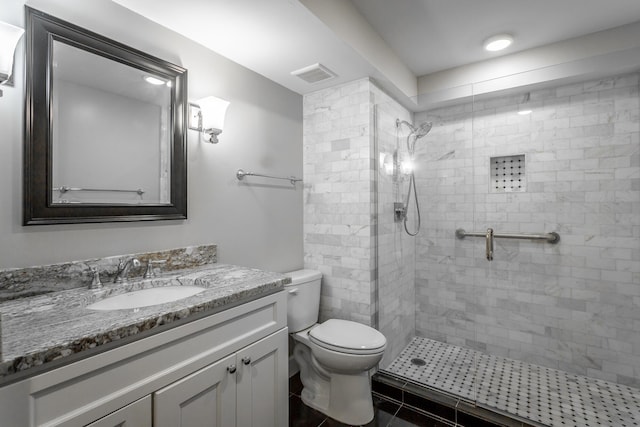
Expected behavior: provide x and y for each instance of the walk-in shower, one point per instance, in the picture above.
(546, 333)
(416, 133)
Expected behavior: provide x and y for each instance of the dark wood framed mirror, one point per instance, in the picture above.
(105, 136)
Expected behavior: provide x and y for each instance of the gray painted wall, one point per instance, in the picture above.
(257, 225)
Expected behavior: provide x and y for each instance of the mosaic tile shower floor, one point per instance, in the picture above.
(541, 395)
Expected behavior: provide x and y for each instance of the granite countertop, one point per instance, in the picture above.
(51, 327)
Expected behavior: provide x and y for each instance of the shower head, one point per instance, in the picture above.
(422, 129)
(417, 132)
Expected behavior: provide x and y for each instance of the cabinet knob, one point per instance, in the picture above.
(231, 369)
(246, 360)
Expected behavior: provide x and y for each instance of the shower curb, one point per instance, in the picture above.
(442, 404)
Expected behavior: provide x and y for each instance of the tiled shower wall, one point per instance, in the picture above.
(341, 165)
(573, 306)
(338, 182)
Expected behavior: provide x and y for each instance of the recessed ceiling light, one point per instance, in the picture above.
(498, 42)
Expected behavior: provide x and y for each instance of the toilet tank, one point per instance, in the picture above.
(304, 299)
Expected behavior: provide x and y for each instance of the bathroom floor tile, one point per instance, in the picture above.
(295, 385)
(300, 415)
(381, 419)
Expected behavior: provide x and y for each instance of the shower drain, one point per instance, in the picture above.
(418, 362)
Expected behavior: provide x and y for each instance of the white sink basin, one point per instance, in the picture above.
(146, 297)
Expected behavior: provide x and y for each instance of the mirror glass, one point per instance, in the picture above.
(111, 126)
(105, 129)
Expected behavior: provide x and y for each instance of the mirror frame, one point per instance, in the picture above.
(42, 29)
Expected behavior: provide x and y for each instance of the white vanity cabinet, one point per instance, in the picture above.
(262, 375)
(209, 394)
(244, 389)
(182, 376)
(136, 414)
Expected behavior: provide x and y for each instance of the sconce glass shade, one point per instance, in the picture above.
(9, 36)
(213, 112)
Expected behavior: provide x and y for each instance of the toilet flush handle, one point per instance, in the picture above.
(293, 291)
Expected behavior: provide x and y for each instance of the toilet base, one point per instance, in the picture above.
(343, 397)
(349, 401)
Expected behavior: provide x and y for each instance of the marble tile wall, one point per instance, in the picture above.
(573, 306)
(338, 176)
(340, 209)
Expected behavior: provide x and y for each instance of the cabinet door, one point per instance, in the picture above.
(137, 414)
(206, 398)
(263, 382)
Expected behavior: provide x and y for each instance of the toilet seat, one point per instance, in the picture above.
(349, 337)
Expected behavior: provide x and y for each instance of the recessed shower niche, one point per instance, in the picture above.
(508, 174)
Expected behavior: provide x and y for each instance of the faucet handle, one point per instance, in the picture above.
(124, 264)
(95, 280)
(121, 264)
(149, 272)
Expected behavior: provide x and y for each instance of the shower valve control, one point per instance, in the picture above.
(400, 211)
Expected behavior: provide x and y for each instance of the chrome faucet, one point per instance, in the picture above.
(123, 269)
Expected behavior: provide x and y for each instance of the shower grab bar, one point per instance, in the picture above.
(241, 174)
(552, 237)
(64, 189)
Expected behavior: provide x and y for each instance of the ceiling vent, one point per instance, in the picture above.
(314, 73)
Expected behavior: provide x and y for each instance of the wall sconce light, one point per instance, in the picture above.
(207, 116)
(9, 36)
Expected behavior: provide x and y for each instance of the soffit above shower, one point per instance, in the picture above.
(427, 34)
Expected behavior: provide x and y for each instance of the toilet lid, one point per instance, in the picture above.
(348, 337)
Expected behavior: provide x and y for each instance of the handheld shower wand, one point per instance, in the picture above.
(415, 133)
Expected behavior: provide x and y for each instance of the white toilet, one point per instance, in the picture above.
(334, 357)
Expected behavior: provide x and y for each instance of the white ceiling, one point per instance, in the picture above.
(276, 37)
(270, 37)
